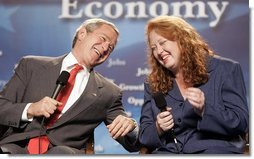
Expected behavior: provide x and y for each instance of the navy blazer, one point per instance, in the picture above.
(225, 117)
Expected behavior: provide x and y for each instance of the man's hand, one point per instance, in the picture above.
(45, 107)
(121, 126)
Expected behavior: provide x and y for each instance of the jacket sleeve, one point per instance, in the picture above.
(11, 96)
(148, 135)
(129, 141)
(229, 114)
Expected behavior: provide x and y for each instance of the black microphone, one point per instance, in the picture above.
(60, 83)
(162, 104)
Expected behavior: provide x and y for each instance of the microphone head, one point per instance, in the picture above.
(63, 78)
(160, 101)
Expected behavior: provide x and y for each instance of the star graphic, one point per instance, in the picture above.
(5, 18)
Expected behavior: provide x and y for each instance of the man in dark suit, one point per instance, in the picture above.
(25, 99)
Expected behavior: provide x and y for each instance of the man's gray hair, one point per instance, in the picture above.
(92, 24)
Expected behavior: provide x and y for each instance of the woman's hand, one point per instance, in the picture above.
(164, 121)
(197, 99)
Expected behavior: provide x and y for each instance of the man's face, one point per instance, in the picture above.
(95, 47)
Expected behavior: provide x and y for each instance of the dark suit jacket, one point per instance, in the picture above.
(34, 78)
(225, 117)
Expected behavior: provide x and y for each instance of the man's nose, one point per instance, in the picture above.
(105, 45)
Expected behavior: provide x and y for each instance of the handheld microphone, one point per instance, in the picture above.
(162, 104)
(60, 83)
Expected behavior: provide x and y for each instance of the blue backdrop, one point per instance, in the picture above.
(46, 27)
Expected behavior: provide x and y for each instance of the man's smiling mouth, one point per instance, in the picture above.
(98, 52)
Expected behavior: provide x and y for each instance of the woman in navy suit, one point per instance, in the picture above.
(206, 106)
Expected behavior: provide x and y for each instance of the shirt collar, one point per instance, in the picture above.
(68, 62)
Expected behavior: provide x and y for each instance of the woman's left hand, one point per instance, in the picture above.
(197, 99)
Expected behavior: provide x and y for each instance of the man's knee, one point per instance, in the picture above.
(12, 149)
(63, 150)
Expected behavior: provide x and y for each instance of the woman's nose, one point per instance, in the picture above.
(159, 49)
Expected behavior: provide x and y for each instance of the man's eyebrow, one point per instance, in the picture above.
(113, 45)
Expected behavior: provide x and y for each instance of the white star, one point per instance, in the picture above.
(5, 18)
(99, 148)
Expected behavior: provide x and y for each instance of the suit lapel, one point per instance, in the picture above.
(175, 92)
(49, 75)
(87, 98)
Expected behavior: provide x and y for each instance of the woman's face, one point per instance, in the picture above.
(165, 51)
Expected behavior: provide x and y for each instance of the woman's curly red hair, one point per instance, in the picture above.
(193, 48)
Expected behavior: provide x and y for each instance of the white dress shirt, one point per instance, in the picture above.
(80, 82)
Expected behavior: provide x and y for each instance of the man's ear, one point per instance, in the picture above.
(82, 33)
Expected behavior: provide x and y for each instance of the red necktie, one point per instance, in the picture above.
(33, 145)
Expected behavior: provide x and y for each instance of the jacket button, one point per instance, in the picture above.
(179, 120)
